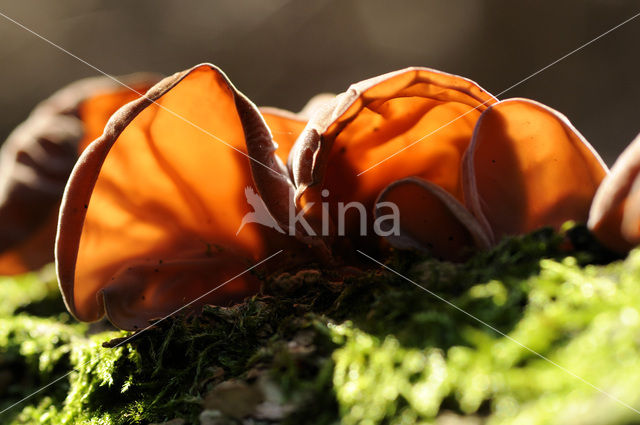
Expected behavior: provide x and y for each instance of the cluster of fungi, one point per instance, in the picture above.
(138, 197)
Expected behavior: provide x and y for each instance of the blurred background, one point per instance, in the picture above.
(281, 52)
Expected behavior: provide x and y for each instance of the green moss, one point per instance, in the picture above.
(33, 293)
(33, 352)
(354, 346)
(584, 321)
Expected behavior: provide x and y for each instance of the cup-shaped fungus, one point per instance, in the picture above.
(149, 217)
(37, 157)
(527, 167)
(416, 122)
(524, 166)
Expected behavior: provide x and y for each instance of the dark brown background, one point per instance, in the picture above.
(281, 52)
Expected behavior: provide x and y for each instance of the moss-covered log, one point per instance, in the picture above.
(353, 346)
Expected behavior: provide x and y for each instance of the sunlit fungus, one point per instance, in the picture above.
(149, 216)
(515, 165)
(191, 185)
